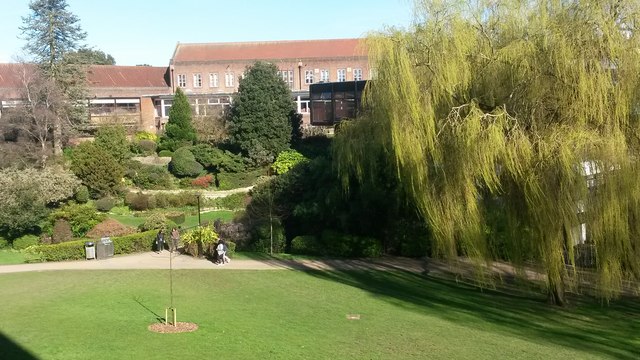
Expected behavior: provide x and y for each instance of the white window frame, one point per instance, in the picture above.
(197, 80)
(181, 80)
(357, 74)
(228, 79)
(213, 80)
(324, 75)
(308, 77)
(342, 75)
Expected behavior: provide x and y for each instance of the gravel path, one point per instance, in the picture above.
(151, 260)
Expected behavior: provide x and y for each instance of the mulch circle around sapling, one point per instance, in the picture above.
(180, 327)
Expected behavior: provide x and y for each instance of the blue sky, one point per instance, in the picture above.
(146, 31)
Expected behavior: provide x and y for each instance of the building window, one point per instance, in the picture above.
(357, 74)
(287, 77)
(308, 76)
(213, 80)
(342, 74)
(324, 75)
(182, 80)
(228, 79)
(197, 80)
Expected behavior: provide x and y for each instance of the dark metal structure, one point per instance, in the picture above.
(332, 102)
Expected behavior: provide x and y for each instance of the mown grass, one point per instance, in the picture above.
(191, 220)
(10, 257)
(282, 314)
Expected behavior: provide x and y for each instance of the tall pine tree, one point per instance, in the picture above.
(51, 32)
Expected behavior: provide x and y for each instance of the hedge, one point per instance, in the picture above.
(74, 250)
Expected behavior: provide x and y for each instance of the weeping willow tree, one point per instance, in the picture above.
(534, 103)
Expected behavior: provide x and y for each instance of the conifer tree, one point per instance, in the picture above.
(179, 131)
(262, 114)
(51, 32)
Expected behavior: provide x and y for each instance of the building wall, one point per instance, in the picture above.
(147, 115)
(297, 68)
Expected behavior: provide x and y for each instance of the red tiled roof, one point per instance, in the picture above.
(269, 50)
(115, 76)
(98, 76)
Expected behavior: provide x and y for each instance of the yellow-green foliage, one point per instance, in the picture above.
(509, 99)
(206, 234)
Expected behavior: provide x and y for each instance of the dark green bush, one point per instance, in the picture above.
(217, 160)
(344, 245)
(25, 241)
(74, 250)
(149, 176)
(82, 194)
(105, 204)
(184, 164)
(147, 146)
(307, 245)
(97, 169)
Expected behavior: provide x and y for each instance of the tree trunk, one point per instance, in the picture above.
(57, 136)
(556, 291)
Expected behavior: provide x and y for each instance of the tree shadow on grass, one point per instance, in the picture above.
(11, 350)
(158, 317)
(604, 330)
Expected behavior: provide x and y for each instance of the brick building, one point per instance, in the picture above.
(209, 73)
(114, 93)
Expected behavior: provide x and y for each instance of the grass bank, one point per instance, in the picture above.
(281, 314)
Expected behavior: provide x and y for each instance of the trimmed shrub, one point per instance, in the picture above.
(147, 146)
(61, 231)
(218, 160)
(74, 250)
(97, 169)
(165, 153)
(110, 227)
(82, 194)
(105, 204)
(25, 241)
(184, 164)
(156, 221)
(307, 245)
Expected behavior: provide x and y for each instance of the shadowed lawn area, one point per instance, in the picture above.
(190, 220)
(282, 314)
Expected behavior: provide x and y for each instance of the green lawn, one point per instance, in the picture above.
(9, 257)
(282, 314)
(190, 220)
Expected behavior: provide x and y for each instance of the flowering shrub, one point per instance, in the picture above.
(203, 181)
